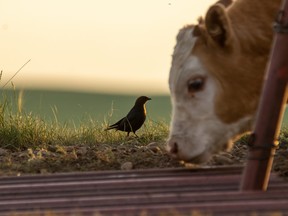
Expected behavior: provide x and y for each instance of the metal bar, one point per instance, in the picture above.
(208, 190)
(270, 111)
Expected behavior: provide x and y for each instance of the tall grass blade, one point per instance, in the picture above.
(15, 73)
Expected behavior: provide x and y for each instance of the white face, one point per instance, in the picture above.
(196, 132)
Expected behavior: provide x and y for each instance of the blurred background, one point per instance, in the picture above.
(91, 58)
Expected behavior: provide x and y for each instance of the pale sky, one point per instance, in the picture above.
(92, 45)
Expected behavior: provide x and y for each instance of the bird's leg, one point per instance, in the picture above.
(136, 135)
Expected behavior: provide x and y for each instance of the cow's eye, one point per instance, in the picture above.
(195, 84)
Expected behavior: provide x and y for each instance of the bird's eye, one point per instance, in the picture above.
(195, 84)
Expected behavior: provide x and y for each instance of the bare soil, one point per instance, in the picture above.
(131, 154)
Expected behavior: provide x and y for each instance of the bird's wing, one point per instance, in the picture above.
(135, 118)
(114, 126)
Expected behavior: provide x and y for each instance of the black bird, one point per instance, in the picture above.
(134, 119)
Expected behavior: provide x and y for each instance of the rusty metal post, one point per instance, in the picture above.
(270, 111)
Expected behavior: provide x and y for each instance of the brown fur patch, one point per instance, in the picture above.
(240, 69)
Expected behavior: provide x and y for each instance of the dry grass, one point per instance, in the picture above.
(30, 144)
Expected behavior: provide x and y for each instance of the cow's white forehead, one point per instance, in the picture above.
(182, 51)
(185, 43)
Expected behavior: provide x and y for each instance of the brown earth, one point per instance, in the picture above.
(132, 154)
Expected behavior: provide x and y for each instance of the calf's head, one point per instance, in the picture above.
(215, 83)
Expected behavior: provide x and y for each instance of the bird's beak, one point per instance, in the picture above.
(149, 99)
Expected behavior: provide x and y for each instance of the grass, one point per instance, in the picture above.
(30, 143)
(79, 107)
(21, 131)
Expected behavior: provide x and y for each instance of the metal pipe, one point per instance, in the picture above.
(270, 111)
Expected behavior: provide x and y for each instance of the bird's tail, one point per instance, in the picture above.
(110, 127)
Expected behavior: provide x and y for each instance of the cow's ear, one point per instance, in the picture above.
(218, 25)
(225, 3)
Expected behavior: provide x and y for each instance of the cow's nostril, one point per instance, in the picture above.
(174, 149)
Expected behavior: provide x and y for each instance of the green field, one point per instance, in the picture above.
(77, 107)
(30, 144)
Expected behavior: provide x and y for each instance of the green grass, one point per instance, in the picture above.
(31, 144)
(48, 143)
(35, 118)
(74, 108)
(21, 131)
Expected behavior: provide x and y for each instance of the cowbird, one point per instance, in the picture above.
(134, 119)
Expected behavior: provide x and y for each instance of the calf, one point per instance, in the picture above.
(216, 77)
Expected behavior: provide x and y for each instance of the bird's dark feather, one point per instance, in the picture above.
(134, 119)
